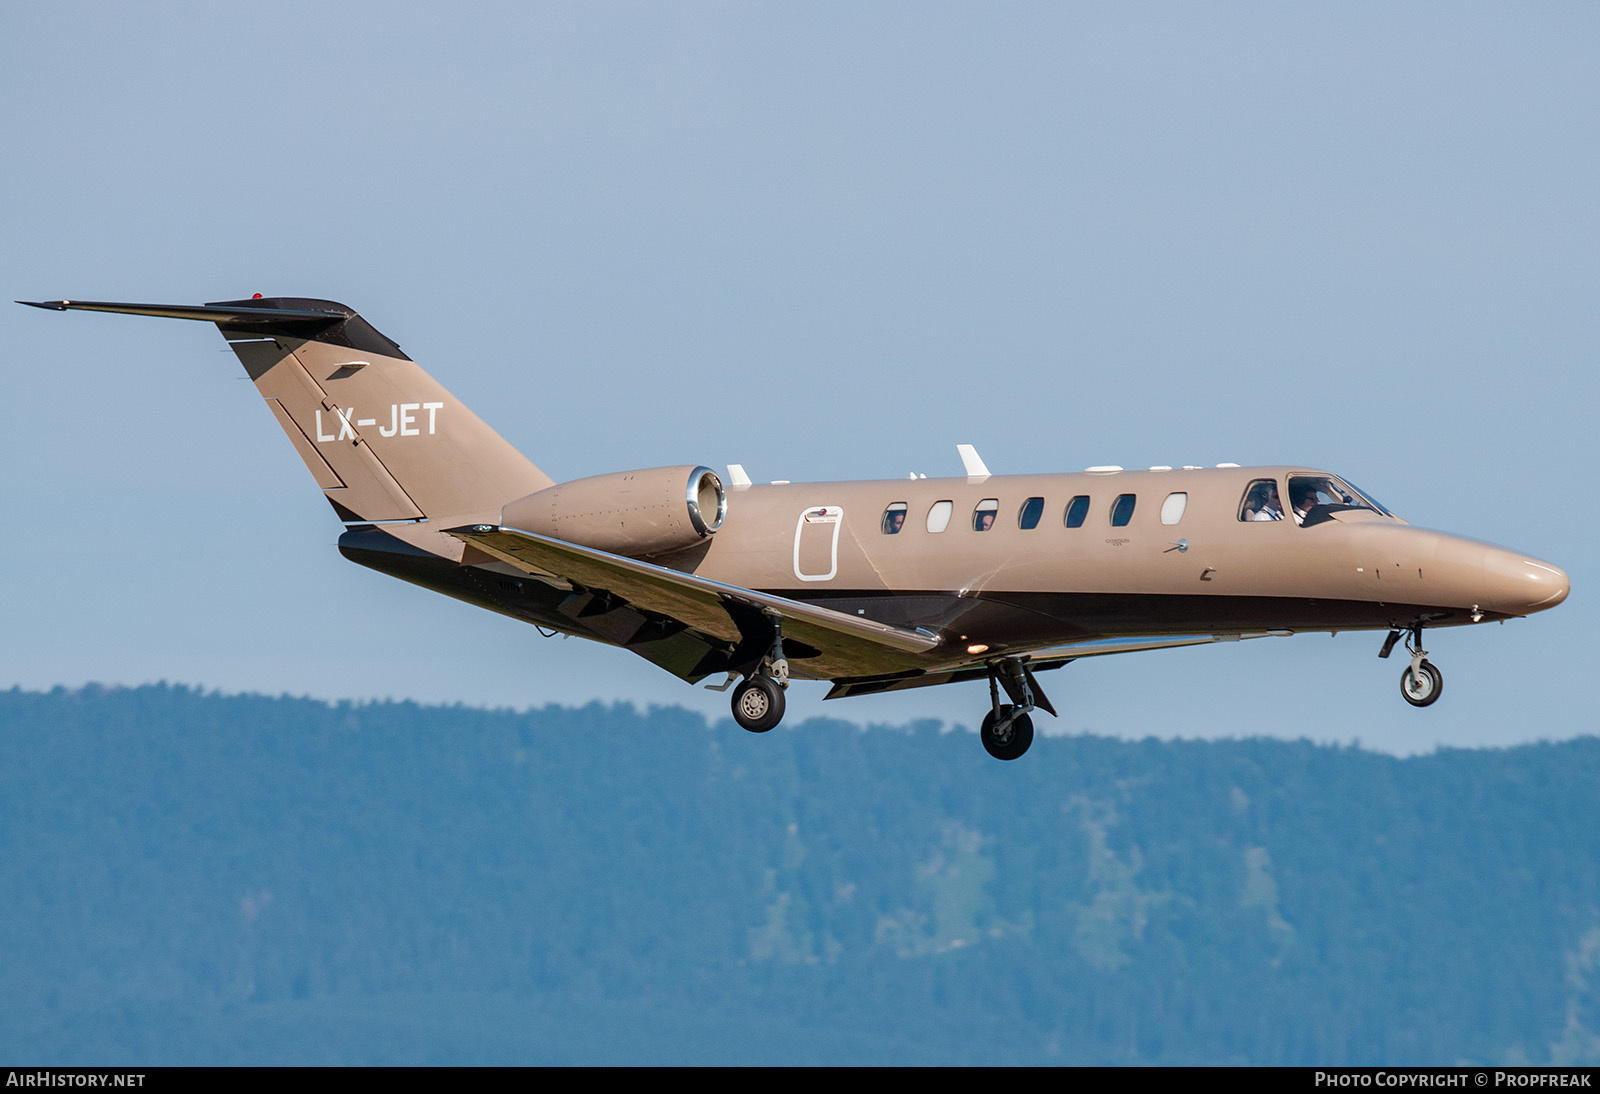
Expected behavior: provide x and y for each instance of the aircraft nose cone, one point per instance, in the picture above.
(1518, 584)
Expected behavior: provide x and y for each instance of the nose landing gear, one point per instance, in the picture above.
(1421, 683)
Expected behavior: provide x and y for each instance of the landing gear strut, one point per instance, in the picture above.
(758, 702)
(1007, 729)
(1421, 683)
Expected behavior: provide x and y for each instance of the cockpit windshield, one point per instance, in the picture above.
(1315, 498)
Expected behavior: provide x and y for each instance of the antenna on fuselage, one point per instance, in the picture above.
(976, 469)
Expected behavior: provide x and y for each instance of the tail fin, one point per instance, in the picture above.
(382, 438)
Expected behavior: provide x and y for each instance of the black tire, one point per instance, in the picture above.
(758, 704)
(1019, 735)
(1432, 685)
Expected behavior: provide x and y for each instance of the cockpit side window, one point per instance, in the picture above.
(1316, 498)
(983, 514)
(894, 518)
(1261, 501)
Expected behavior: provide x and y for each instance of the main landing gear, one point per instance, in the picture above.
(758, 701)
(1007, 729)
(1421, 683)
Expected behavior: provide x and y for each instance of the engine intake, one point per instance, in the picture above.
(637, 513)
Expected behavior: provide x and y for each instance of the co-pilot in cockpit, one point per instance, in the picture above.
(1313, 499)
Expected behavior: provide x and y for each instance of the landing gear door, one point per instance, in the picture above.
(816, 543)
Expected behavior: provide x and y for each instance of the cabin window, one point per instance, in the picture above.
(1172, 509)
(1077, 511)
(1261, 501)
(1028, 516)
(939, 516)
(894, 518)
(984, 513)
(1122, 510)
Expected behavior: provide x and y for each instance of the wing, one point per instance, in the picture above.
(732, 624)
(643, 607)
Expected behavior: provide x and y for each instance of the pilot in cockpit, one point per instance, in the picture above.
(1303, 496)
(1264, 503)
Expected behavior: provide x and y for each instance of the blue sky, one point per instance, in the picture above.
(1363, 237)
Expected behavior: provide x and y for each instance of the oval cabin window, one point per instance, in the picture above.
(1172, 509)
(1077, 511)
(1122, 510)
(1028, 516)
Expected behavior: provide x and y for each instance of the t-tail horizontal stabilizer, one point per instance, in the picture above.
(382, 438)
(232, 313)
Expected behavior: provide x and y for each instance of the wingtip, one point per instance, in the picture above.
(48, 305)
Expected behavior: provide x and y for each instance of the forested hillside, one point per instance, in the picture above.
(195, 878)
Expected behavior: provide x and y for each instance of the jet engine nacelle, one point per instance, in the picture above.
(634, 513)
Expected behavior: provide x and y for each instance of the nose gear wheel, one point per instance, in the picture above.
(1422, 685)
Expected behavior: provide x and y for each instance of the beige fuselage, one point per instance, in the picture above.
(1012, 588)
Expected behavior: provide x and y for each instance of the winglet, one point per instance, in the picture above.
(972, 462)
(737, 476)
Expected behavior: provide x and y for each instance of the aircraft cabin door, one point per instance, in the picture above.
(816, 543)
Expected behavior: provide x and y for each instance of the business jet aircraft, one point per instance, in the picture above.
(874, 586)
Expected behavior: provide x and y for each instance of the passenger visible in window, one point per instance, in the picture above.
(983, 515)
(894, 518)
(1261, 501)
